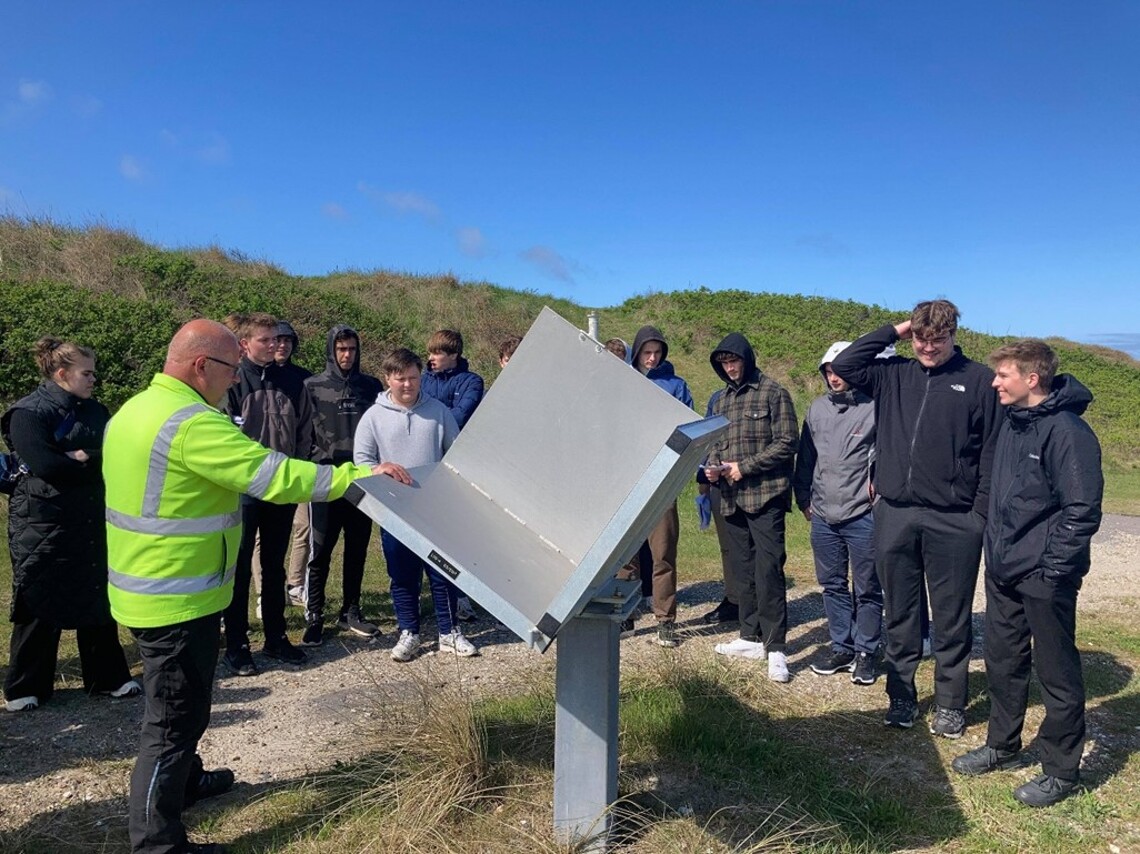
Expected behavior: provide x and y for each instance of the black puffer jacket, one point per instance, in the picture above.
(56, 528)
(1047, 489)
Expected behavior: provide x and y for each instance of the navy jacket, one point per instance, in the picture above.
(1047, 489)
(459, 389)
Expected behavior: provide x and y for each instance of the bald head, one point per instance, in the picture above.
(204, 354)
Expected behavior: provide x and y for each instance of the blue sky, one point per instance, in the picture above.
(879, 151)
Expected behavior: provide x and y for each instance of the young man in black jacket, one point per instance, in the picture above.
(1044, 509)
(341, 394)
(936, 418)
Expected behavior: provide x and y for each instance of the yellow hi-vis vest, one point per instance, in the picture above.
(175, 468)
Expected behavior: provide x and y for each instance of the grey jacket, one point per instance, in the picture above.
(389, 433)
(837, 450)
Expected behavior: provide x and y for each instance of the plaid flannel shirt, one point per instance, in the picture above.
(762, 435)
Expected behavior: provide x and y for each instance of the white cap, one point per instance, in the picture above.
(833, 351)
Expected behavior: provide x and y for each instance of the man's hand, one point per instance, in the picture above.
(807, 513)
(732, 472)
(394, 471)
(903, 330)
(80, 455)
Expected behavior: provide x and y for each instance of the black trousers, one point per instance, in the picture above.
(327, 520)
(1045, 612)
(755, 545)
(178, 680)
(34, 653)
(275, 524)
(917, 546)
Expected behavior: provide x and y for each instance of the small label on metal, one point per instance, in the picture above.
(443, 563)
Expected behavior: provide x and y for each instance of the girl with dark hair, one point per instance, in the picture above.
(56, 533)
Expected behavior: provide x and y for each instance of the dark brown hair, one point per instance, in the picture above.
(400, 360)
(1032, 356)
(52, 353)
(446, 341)
(933, 318)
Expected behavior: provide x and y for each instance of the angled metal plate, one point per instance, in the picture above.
(553, 484)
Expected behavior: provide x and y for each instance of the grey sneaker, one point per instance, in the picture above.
(984, 758)
(22, 704)
(464, 610)
(353, 621)
(863, 670)
(901, 714)
(1045, 790)
(948, 723)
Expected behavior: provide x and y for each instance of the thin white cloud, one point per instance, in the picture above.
(86, 106)
(824, 244)
(551, 263)
(472, 243)
(216, 152)
(403, 202)
(131, 168)
(334, 211)
(33, 92)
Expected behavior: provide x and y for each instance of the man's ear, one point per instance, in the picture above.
(1033, 380)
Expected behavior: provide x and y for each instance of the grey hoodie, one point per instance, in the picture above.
(389, 433)
(837, 449)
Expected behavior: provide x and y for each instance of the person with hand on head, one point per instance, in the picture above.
(175, 468)
(56, 535)
(936, 421)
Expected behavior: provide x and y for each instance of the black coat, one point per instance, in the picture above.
(1047, 489)
(56, 529)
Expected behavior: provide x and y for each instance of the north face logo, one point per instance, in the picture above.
(958, 387)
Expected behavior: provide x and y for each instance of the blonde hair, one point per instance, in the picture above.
(52, 353)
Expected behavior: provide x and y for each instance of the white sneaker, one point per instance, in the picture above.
(457, 644)
(406, 647)
(127, 689)
(741, 648)
(778, 667)
(464, 610)
(22, 704)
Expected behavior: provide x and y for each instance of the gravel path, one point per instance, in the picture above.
(285, 722)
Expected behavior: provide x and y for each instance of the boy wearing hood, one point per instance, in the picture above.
(832, 486)
(1044, 507)
(341, 394)
(936, 419)
(751, 465)
(650, 356)
(411, 429)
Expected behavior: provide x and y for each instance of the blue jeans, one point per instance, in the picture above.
(854, 617)
(406, 571)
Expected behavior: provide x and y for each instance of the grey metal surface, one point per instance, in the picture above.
(557, 478)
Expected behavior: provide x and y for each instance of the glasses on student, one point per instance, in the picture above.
(940, 341)
(230, 365)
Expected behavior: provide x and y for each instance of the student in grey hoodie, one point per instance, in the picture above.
(832, 487)
(411, 429)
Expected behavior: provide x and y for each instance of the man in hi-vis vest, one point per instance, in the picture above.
(175, 467)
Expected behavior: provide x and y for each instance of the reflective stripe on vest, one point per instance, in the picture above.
(259, 486)
(149, 522)
(323, 483)
(170, 586)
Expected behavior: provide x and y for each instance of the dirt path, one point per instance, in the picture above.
(285, 722)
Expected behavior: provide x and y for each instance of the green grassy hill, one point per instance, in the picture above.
(110, 290)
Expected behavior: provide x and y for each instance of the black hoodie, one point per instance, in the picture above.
(340, 399)
(1047, 488)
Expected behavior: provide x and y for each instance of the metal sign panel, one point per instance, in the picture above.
(553, 484)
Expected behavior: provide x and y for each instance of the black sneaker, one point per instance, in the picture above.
(283, 650)
(837, 662)
(984, 758)
(902, 713)
(725, 612)
(948, 723)
(666, 635)
(863, 671)
(351, 620)
(314, 633)
(210, 785)
(240, 661)
(1045, 790)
